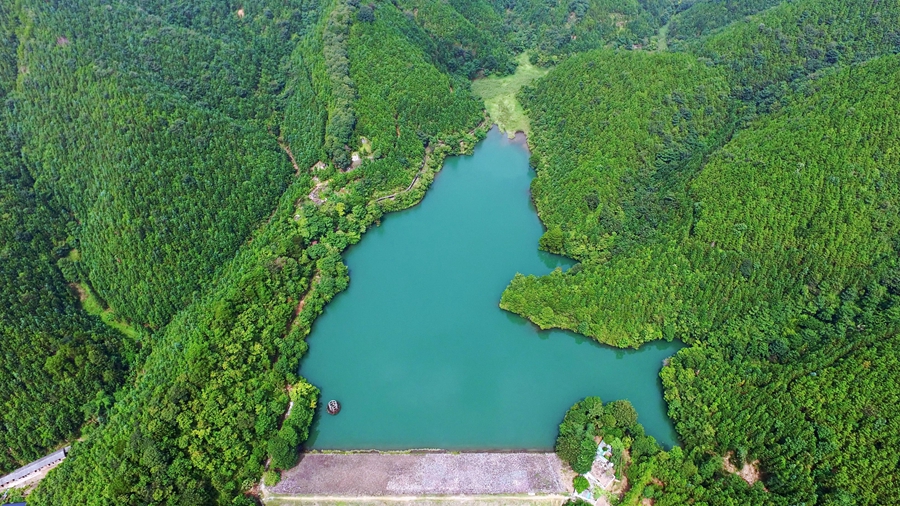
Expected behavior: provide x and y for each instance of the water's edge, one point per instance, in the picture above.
(420, 355)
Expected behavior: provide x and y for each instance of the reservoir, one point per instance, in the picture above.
(417, 350)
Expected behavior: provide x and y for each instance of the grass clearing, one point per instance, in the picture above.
(499, 95)
(662, 44)
(93, 305)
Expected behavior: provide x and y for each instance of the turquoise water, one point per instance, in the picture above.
(420, 355)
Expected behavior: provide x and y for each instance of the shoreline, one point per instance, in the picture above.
(519, 138)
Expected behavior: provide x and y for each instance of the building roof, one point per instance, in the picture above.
(37, 465)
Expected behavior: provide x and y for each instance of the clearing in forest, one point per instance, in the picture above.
(95, 306)
(499, 95)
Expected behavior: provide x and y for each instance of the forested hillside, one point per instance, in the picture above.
(769, 54)
(193, 170)
(697, 18)
(423, 103)
(460, 36)
(155, 136)
(59, 366)
(480, 37)
(204, 414)
(799, 381)
(554, 30)
(618, 137)
(772, 250)
(683, 294)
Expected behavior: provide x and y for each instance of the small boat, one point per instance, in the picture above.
(334, 407)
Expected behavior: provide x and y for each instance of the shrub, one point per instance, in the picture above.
(587, 451)
(284, 456)
(271, 478)
(580, 483)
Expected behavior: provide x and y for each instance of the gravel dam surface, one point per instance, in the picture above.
(422, 474)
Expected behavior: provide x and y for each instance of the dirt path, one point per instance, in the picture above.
(418, 175)
(422, 167)
(287, 149)
(312, 284)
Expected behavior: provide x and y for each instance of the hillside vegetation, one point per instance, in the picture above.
(697, 18)
(617, 138)
(554, 30)
(800, 382)
(770, 54)
(179, 180)
(673, 202)
(157, 144)
(58, 365)
(205, 413)
(769, 245)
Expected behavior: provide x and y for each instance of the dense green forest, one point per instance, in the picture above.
(725, 173)
(767, 240)
(769, 55)
(553, 30)
(696, 18)
(663, 202)
(59, 365)
(479, 37)
(807, 368)
(198, 420)
(612, 169)
(160, 143)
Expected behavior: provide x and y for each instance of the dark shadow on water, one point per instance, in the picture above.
(663, 344)
(552, 261)
(520, 140)
(313, 430)
(516, 319)
(577, 338)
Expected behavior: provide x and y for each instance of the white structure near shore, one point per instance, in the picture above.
(602, 476)
(33, 471)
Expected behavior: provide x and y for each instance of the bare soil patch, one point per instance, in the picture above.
(748, 472)
(287, 149)
(79, 291)
(314, 194)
